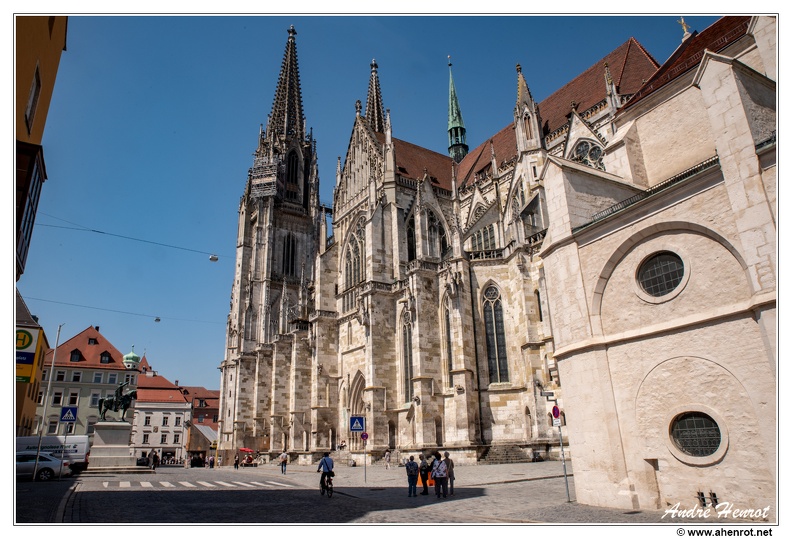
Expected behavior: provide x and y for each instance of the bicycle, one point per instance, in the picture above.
(327, 486)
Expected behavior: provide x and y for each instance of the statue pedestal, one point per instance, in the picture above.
(111, 451)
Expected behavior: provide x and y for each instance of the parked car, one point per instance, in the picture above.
(48, 466)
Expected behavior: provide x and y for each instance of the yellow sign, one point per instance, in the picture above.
(27, 351)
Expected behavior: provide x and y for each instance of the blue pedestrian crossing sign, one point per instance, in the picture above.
(357, 423)
(68, 414)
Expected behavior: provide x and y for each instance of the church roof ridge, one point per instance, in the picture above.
(687, 56)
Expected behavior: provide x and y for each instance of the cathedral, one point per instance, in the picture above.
(605, 264)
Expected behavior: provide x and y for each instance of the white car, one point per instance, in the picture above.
(48, 466)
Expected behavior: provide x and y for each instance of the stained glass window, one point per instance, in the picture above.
(496, 336)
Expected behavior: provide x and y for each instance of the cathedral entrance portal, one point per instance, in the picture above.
(357, 406)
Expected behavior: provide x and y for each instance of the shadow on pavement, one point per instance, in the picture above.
(254, 506)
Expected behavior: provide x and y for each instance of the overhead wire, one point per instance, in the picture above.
(83, 228)
(157, 318)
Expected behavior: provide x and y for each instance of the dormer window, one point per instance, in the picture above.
(589, 154)
(92, 340)
(104, 358)
(75, 356)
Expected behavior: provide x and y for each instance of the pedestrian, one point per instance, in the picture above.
(154, 460)
(412, 477)
(423, 470)
(387, 459)
(440, 475)
(236, 462)
(450, 468)
(211, 462)
(284, 460)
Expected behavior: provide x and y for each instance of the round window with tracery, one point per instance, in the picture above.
(696, 434)
(589, 154)
(661, 273)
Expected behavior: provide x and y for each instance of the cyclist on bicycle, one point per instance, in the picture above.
(326, 467)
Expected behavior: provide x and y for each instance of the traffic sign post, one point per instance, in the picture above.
(550, 396)
(364, 437)
(68, 415)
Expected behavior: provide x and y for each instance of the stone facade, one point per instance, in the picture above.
(456, 297)
(638, 363)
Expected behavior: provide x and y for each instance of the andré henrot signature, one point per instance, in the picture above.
(721, 510)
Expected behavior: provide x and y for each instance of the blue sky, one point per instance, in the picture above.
(154, 121)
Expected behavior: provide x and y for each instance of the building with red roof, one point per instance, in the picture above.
(87, 368)
(162, 414)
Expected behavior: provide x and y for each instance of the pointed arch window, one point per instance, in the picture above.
(250, 323)
(528, 128)
(353, 259)
(411, 239)
(449, 359)
(407, 364)
(588, 153)
(438, 241)
(496, 336)
(292, 177)
(484, 239)
(289, 258)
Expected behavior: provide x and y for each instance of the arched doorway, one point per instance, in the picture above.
(356, 405)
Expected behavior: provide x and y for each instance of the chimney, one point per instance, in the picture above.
(176, 383)
(96, 328)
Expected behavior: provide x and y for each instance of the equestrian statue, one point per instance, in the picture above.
(119, 401)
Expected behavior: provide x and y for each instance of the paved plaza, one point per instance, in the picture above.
(526, 494)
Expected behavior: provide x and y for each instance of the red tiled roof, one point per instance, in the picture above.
(630, 64)
(202, 392)
(160, 395)
(144, 364)
(154, 382)
(715, 38)
(505, 145)
(411, 160)
(158, 389)
(91, 353)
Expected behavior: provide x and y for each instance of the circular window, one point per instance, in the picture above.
(661, 274)
(696, 434)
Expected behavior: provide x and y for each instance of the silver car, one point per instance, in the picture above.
(48, 466)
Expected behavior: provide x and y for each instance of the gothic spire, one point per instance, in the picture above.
(374, 109)
(287, 111)
(523, 93)
(457, 143)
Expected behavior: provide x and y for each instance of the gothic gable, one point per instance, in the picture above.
(583, 144)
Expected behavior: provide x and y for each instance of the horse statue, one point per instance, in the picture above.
(118, 402)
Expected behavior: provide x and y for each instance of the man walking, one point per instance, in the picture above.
(284, 460)
(450, 467)
(423, 469)
(440, 475)
(412, 477)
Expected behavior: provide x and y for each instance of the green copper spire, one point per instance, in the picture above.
(457, 143)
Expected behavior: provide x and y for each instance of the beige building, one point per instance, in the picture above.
(614, 246)
(663, 289)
